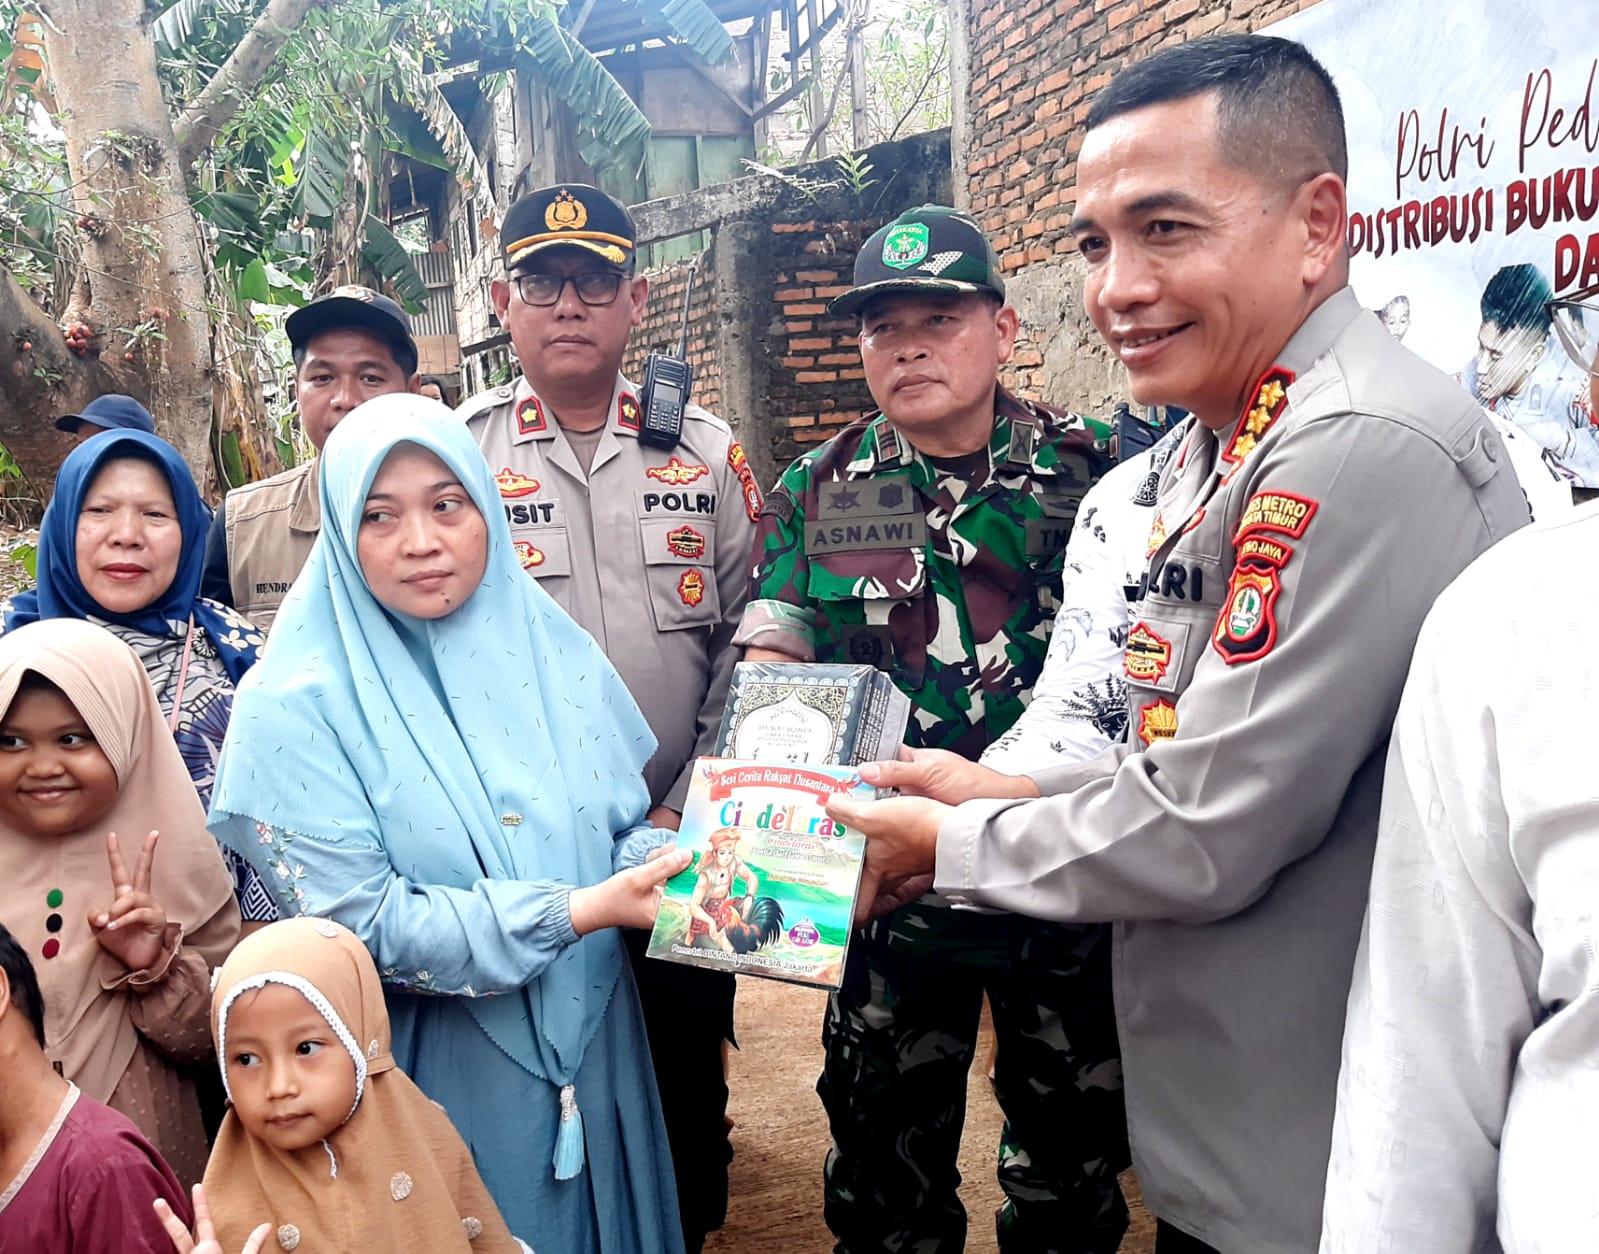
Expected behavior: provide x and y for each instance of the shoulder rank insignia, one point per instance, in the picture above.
(1270, 400)
(530, 418)
(677, 473)
(627, 412)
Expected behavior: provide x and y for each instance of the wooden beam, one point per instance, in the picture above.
(698, 66)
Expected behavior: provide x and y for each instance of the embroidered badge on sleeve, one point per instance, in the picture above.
(746, 478)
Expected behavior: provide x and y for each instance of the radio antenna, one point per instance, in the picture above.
(688, 297)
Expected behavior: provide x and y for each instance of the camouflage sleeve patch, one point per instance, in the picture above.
(779, 504)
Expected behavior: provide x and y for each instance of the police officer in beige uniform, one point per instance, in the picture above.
(349, 346)
(648, 548)
(1331, 485)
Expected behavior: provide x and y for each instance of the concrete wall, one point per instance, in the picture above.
(1025, 73)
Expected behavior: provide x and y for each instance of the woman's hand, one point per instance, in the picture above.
(133, 928)
(204, 1240)
(630, 898)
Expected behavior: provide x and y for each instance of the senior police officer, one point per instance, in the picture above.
(1332, 484)
(348, 346)
(647, 548)
(927, 538)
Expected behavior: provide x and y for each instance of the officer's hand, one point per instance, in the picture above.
(945, 776)
(901, 841)
(630, 898)
(892, 895)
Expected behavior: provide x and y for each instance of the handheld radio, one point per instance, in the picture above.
(668, 381)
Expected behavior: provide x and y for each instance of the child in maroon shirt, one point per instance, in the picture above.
(75, 1176)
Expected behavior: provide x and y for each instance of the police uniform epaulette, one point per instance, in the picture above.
(699, 414)
(483, 401)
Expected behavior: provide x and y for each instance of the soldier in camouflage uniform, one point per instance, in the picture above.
(927, 539)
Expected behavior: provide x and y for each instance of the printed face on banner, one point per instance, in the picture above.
(1473, 196)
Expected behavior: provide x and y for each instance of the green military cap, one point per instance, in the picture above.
(572, 214)
(931, 248)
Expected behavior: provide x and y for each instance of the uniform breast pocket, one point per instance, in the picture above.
(857, 594)
(680, 571)
(544, 552)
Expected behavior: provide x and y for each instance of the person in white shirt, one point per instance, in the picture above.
(1468, 1096)
(1079, 704)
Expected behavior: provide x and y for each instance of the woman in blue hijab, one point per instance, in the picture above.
(121, 545)
(434, 755)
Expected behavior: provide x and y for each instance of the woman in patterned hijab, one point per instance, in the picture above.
(121, 546)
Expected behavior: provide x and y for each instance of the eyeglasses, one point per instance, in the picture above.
(1576, 321)
(597, 287)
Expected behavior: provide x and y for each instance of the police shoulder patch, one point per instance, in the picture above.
(1246, 628)
(1284, 512)
(751, 490)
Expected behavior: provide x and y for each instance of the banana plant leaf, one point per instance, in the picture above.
(695, 24)
(614, 130)
(385, 254)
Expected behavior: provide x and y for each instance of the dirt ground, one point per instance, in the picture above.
(781, 1133)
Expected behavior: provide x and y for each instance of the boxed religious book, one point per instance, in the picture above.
(812, 712)
(771, 890)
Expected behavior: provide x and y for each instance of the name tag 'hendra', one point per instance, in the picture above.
(889, 531)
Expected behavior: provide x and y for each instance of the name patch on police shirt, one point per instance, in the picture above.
(881, 531)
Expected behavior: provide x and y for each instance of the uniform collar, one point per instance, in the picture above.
(1015, 445)
(531, 418)
(305, 510)
(1268, 399)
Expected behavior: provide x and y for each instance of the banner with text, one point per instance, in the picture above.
(1474, 192)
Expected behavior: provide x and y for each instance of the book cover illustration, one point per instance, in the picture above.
(812, 712)
(771, 890)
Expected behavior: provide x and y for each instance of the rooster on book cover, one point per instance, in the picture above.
(717, 920)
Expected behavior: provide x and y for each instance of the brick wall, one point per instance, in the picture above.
(766, 356)
(663, 326)
(816, 384)
(1033, 66)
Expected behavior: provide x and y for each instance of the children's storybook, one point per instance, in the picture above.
(771, 890)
